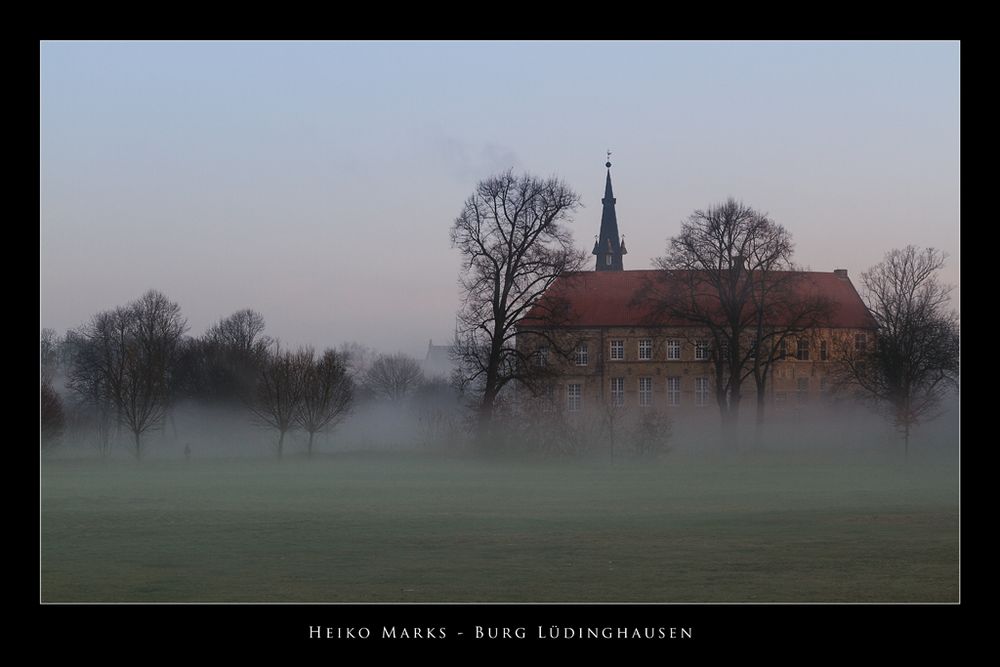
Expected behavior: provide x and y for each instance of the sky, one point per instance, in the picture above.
(317, 182)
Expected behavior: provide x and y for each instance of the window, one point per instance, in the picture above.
(581, 354)
(802, 390)
(673, 391)
(645, 349)
(617, 350)
(542, 356)
(780, 397)
(701, 350)
(673, 349)
(607, 260)
(618, 391)
(860, 343)
(574, 397)
(802, 349)
(782, 349)
(824, 352)
(701, 391)
(645, 392)
(549, 398)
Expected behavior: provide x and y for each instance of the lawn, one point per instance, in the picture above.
(423, 528)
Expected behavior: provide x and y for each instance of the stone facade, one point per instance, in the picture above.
(671, 369)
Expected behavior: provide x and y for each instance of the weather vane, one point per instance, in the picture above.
(608, 163)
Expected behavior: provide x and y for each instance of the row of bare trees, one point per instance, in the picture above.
(128, 367)
(297, 389)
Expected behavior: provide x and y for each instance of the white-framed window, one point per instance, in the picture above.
(582, 357)
(645, 349)
(645, 392)
(618, 392)
(574, 397)
(673, 391)
(802, 389)
(542, 356)
(673, 349)
(802, 349)
(824, 351)
(701, 350)
(701, 391)
(607, 260)
(617, 350)
(860, 343)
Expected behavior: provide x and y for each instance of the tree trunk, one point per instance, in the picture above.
(759, 424)
(906, 441)
(281, 444)
(730, 430)
(138, 446)
(485, 421)
(309, 447)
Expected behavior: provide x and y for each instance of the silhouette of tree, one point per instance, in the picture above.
(514, 243)
(124, 361)
(914, 360)
(393, 376)
(328, 392)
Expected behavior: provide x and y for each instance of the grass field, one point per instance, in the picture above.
(412, 528)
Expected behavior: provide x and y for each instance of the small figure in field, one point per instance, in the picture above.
(187, 452)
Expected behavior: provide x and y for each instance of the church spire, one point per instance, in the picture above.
(608, 245)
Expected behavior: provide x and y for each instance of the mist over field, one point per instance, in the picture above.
(443, 427)
(827, 510)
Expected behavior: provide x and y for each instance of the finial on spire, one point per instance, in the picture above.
(608, 163)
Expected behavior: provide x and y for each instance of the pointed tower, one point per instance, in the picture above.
(608, 246)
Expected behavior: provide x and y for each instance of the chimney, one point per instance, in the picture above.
(840, 273)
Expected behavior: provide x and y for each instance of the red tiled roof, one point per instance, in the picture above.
(608, 298)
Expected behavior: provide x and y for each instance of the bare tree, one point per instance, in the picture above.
(358, 357)
(718, 277)
(514, 244)
(242, 332)
(784, 305)
(52, 419)
(88, 381)
(914, 361)
(48, 354)
(278, 400)
(393, 376)
(126, 361)
(327, 395)
(223, 364)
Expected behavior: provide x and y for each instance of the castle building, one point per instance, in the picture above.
(616, 348)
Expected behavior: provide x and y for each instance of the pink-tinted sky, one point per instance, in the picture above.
(316, 182)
